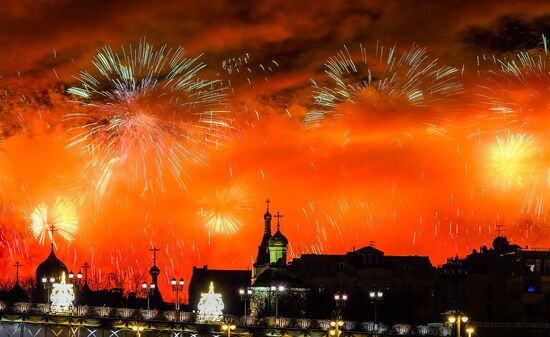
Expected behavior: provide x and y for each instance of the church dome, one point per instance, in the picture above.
(267, 215)
(154, 270)
(51, 267)
(278, 239)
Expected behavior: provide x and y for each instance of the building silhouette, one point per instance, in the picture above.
(51, 269)
(305, 286)
(503, 283)
(498, 284)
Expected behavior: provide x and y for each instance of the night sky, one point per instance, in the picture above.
(424, 152)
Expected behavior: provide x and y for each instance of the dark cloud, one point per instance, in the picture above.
(508, 34)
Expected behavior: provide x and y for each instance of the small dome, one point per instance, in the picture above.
(267, 215)
(278, 239)
(154, 270)
(51, 267)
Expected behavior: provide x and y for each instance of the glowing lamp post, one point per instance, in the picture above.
(245, 294)
(177, 286)
(75, 279)
(335, 328)
(148, 289)
(138, 329)
(469, 331)
(277, 290)
(340, 300)
(228, 328)
(459, 318)
(47, 283)
(375, 297)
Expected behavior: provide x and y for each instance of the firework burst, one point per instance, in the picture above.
(388, 77)
(149, 113)
(511, 160)
(222, 213)
(519, 89)
(61, 218)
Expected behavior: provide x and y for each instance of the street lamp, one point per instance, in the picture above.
(469, 331)
(48, 282)
(335, 328)
(340, 300)
(177, 286)
(459, 318)
(228, 327)
(245, 294)
(277, 290)
(375, 297)
(148, 289)
(75, 280)
(138, 329)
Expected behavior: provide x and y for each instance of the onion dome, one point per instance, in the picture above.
(154, 271)
(278, 239)
(267, 215)
(51, 267)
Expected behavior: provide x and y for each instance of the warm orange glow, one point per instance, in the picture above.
(417, 176)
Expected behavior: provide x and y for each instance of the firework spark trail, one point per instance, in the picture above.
(411, 76)
(150, 112)
(511, 160)
(247, 78)
(515, 90)
(518, 88)
(221, 214)
(61, 218)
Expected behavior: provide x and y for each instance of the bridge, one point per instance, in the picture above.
(35, 320)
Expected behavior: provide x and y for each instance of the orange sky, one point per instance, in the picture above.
(413, 180)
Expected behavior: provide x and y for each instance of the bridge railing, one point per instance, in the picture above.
(433, 329)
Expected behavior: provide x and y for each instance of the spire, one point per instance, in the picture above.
(17, 265)
(154, 271)
(154, 250)
(154, 294)
(52, 229)
(267, 219)
(278, 216)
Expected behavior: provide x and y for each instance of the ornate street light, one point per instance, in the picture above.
(375, 297)
(276, 290)
(148, 289)
(340, 300)
(335, 328)
(245, 296)
(228, 327)
(469, 331)
(177, 286)
(75, 279)
(138, 329)
(47, 283)
(458, 319)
